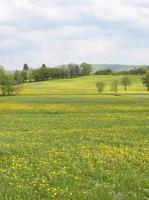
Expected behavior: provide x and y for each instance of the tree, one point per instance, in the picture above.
(26, 67)
(74, 70)
(146, 80)
(114, 86)
(86, 69)
(77, 70)
(126, 82)
(63, 71)
(7, 83)
(2, 72)
(100, 86)
(36, 75)
(54, 72)
(17, 77)
(29, 71)
(8, 86)
(24, 75)
(30, 74)
(44, 72)
(138, 71)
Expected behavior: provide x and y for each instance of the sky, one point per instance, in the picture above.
(56, 32)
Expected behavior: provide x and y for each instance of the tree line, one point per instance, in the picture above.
(136, 71)
(44, 73)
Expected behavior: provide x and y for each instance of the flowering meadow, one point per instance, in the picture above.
(74, 147)
(82, 85)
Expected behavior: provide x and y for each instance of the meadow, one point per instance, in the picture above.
(82, 85)
(60, 140)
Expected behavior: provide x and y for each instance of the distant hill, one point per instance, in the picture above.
(115, 67)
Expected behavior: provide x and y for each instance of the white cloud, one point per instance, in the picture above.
(61, 31)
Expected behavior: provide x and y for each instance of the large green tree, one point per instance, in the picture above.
(8, 85)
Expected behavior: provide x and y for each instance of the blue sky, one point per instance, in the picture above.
(61, 31)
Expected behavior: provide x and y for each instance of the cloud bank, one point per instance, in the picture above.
(62, 31)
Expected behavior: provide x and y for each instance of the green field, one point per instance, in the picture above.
(82, 85)
(65, 145)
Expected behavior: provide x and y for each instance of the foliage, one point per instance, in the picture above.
(114, 86)
(41, 74)
(2, 74)
(100, 86)
(8, 82)
(24, 75)
(146, 80)
(36, 74)
(104, 72)
(17, 75)
(86, 69)
(136, 71)
(44, 73)
(30, 71)
(26, 67)
(8, 85)
(55, 72)
(63, 71)
(126, 82)
(71, 70)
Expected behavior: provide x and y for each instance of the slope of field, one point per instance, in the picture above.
(74, 147)
(81, 85)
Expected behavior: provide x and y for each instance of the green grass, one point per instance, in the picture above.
(82, 85)
(74, 146)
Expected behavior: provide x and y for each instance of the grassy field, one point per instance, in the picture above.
(74, 146)
(82, 85)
